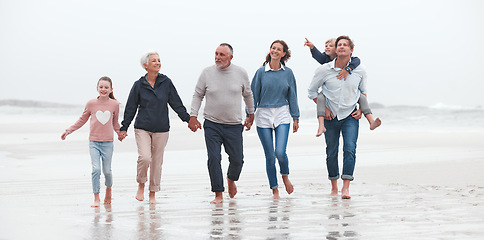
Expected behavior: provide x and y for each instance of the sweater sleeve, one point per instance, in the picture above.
(322, 58)
(292, 97)
(355, 62)
(131, 107)
(176, 104)
(198, 95)
(116, 126)
(256, 88)
(82, 120)
(247, 94)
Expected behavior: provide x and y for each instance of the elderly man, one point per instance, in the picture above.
(341, 98)
(224, 85)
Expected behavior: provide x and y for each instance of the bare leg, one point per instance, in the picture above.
(334, 187)
(365, 108)
(373, 123)
(219, 198)
(140, 193)
(232, 188)
(345, 191)
(152, 198)
(107, 198)
(275, 193)
(288, 184)
(96, 201)
(321, 128)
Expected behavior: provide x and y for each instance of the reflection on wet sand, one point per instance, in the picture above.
(225, 222)
(279, 213)
(373, 213)
(341, 223)
(149, 223)
(102, 228)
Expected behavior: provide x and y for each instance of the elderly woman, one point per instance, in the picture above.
(150, 96)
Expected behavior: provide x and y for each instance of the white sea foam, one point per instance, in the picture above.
(442, 106)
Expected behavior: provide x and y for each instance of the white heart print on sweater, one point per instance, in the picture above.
(103, 117)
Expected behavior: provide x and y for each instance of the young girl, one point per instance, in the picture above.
(275, 100)
(328, 55)
(103, 112)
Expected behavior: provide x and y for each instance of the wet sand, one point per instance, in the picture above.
(408, 185)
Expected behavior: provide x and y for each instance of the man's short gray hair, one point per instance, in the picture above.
(146, 57)
(231, 49)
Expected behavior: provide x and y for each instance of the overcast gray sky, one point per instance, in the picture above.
(416, 52)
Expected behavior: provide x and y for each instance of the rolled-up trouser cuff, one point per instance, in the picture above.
(231, 178)
(275, 187)
(333, 178)
(347, 177)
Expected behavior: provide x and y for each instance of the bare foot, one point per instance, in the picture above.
(288, 184)
(232, 188)
(275, 194)
(345, 193)
(321, 128)
(140, 194)
(334, 187)
(334, 192)
(97, 201)
(107, 198)
(375, 124)
(219, 198)
(152, 198)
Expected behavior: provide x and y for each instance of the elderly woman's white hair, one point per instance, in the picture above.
(146, 57)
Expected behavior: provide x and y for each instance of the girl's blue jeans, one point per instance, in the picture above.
(101, 152)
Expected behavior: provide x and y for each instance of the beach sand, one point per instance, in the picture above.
(416, 184)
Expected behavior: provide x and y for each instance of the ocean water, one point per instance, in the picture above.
(437, 117)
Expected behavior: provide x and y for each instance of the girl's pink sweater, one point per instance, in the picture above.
(104, 119)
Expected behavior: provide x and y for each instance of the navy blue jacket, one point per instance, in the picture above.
(323, 58)
(152, 105)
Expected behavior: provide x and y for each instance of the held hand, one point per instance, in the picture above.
(248, 122)
(122, 135)
(309, 44)
(194, 124)
(295, 127)
(64, 135)
(356, 114)
(328, 115)
(342, 74)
